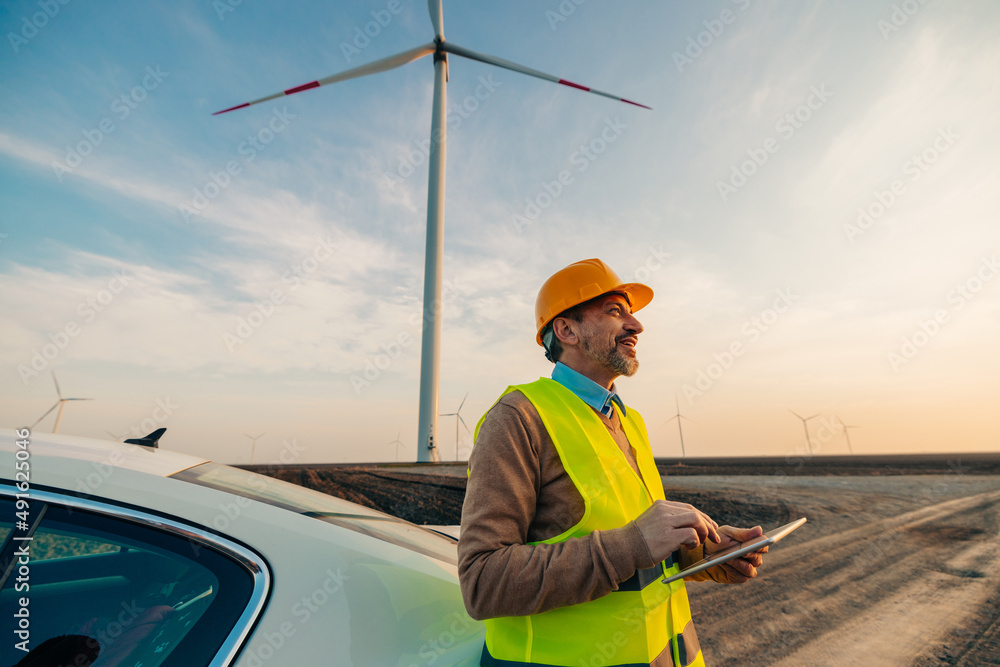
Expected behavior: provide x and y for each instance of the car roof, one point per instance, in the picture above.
(72, 449)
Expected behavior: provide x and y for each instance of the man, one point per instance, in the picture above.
(566, 534)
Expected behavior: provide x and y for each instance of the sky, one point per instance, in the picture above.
(813, 200)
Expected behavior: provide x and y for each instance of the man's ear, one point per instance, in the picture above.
(565, 331)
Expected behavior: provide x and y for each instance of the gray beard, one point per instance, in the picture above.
(611, 358)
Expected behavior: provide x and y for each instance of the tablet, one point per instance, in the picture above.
(767, 539)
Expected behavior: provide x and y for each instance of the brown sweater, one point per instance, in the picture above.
(519, 492)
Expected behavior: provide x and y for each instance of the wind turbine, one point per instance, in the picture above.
(458, 418)
(253, 438)
(430, 345)
(61, 404)
(678, 417)
(396, 442)
(846, 434)
(805, 427)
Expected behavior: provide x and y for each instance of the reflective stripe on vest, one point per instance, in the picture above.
(644, 618)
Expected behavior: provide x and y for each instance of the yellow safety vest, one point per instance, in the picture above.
(636, 623)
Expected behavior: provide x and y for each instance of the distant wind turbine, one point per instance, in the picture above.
(847, 435)
(253, 447)
(430, 347)
(61, 404)
(458, 418)
(805, 427)
(679, 417)
(396, 442)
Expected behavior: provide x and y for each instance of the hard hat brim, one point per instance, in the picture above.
(639, 296)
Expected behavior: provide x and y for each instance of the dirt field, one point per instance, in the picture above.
(425, 497)
(889, 570)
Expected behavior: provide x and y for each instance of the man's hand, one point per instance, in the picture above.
(738, 570)
(666, 526)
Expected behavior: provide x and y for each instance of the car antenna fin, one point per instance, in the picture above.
(151, 440)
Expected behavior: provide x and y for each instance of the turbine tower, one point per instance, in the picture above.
(61, 404)
(253, 447)
(678, 417)
(805, 427)
(430, 345)
(457, 414)
(846, 434)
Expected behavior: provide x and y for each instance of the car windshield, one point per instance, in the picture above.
(322, 506)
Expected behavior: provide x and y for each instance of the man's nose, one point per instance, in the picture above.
(632, 324)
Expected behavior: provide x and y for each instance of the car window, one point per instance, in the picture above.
(133, 594)
(323, 507)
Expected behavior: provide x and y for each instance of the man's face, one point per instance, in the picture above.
(609, 333)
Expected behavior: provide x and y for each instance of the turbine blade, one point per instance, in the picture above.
(58, 391)
(463, 423)
(78, 399)
(463, 402)
(797, 414)
(382, 65)
(506, 64)
(47, 413)
(437, 18)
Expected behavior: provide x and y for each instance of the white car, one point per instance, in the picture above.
(140, 556)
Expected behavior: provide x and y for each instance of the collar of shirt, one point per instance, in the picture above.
(587, 390)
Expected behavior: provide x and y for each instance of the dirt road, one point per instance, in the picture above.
(888, 571)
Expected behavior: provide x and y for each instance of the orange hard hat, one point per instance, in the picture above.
(579, 282)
